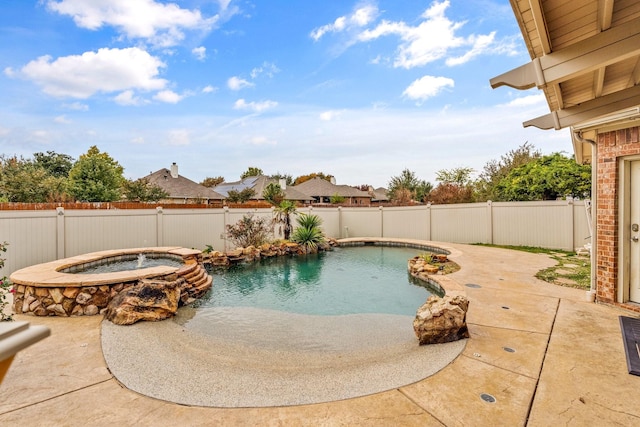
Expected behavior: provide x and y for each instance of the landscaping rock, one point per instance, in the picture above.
(148, 300)
(442, 320)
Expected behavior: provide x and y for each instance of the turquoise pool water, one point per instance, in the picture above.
(351, 280)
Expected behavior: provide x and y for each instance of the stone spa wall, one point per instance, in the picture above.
(46, 290)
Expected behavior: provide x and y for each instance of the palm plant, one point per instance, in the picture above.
(308, 232)
(282, 216)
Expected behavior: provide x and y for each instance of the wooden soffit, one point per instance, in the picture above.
(585, 58)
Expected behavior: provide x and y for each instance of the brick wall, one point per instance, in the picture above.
(611, 146)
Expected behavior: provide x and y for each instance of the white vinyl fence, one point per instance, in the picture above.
(40, 236)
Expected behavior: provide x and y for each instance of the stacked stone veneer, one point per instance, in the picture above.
(44, 290)
(612, 146)
(255, 253)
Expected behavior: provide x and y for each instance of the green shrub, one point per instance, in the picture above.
(5, 288)
(308, 233)
(249, 231)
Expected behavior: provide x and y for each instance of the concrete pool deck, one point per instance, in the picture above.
(568, 368)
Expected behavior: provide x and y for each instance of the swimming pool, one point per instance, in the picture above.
(350, 280)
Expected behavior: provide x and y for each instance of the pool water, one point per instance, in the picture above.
(351, 280)
(132, 264)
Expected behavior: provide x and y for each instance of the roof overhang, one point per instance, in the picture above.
(585, 58)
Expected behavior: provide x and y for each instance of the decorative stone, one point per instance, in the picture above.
(56, 295)
(27, 303)
(148, 300)
(35, 304)
(41, 311)
(57, 309)
(91, 310)
(100, 299)
(42, 292)
(68, 305)
(83, 298)
(78, 310)
(442, 320)
(71, 292)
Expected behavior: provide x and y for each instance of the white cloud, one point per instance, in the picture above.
(526, 101)
(262, 140)
(257, 107)
(62, 120)
(359, 18)
(77, 106)
(128, 98)
(236, 83)
(168, 96)
(163, 25)
(107, 70)
(209, 89)
(267, 68)
(330, 115)
(179, 137)
(138, 140)
(427, 87)
(199, 52)
(434, 38)
(481, 44)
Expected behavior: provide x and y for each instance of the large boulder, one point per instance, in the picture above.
(147, 300)
(442, 320)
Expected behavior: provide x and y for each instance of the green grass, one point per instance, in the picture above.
(572, 270)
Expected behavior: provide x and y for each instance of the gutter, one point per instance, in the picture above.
(594, 195)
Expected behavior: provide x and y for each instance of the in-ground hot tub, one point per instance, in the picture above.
(58, 288)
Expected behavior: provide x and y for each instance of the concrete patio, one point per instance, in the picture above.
(567, 367)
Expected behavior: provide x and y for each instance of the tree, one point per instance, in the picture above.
(546, 178)
(449, 192)
(273, 193)
(282, 216)
(235, 196)
(141, 190)
(496, 170)
(406, 187)
(336, 199)
(304, 178)
(456, 186)
(460, 176)
(26, 181)
(96, 177)
(212, 182)
(57, 165)
(251, 171)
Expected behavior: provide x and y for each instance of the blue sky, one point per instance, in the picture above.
(357, 89)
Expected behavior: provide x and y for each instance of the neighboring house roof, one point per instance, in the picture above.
(258, 184)
(585, 57)
(318, 187)
(180, 187)
(380, 195)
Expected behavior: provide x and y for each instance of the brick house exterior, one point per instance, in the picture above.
(613, 146)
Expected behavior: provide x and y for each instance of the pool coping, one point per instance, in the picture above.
(49, 274)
